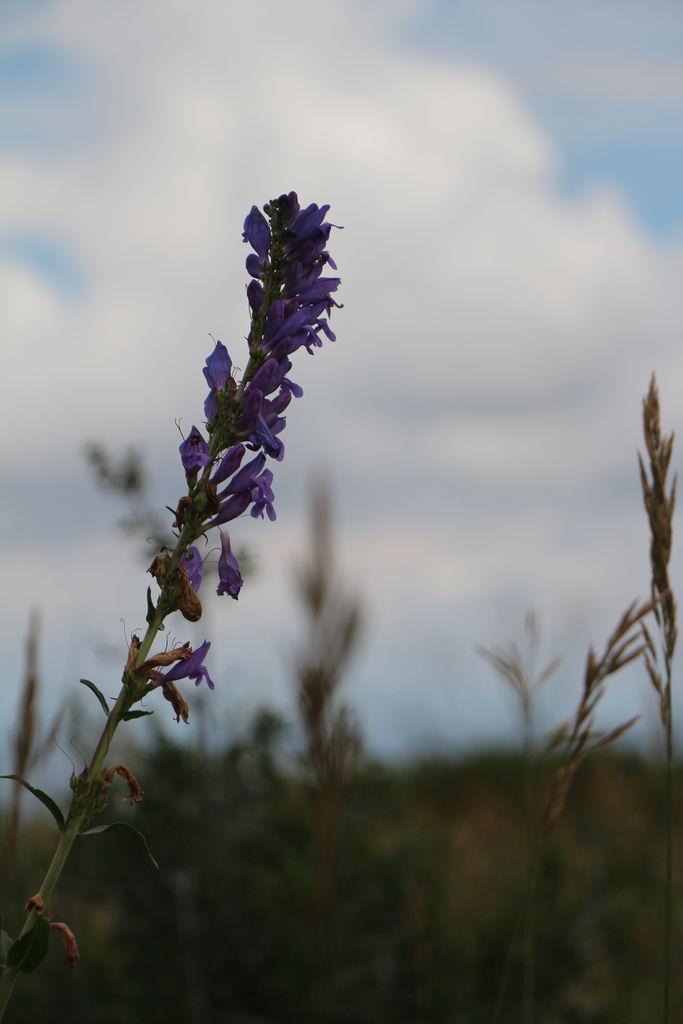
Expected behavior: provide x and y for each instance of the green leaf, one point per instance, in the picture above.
(151, 607)
(122, 826)
(151, 610)
(98, 693)
(44, 799)
(29, 951)
(6, 943)
(128, 715)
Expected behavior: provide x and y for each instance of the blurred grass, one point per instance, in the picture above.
(428, 878)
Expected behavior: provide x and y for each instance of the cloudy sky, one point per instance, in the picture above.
(507, 175)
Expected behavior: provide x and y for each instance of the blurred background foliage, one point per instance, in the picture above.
(427, 878)
(301, 882)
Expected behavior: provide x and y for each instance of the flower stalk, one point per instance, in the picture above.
(659, 496)
(290, 303)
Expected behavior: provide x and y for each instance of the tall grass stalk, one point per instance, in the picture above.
(333, 740)
(29, 746)
(517, 668)
(23, 741)
(576, 739)
(660, 498)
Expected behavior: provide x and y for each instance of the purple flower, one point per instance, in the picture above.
(285, 326)
(257, 232)
(251, 484)
(292, 253)
(291, 388)
(255, 296)
(288, 207)
(263, 496)
(218, 367)
(228, 570)
(231, 508)
(229, 463)
(290, 301)
(260, 423)
(194, 453)
(244, 479)
(217, 372)
(192, 562)
(271, 375)
(268, 376)
(192, 667)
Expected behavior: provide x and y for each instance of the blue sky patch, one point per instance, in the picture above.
(42, 90)
(48, 258)
(648, 171)
(32, 70)
(604, 81)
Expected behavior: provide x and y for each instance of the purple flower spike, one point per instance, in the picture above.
(194, 453)
(228, 570)
(192, 668)
(290, 298)
(294, 249)
(290, 301)
(192, 562)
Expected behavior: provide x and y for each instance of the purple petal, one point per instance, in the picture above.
(192, 562)
(257, 232)
(218, 367)
(192, 667)
(228, 570)
(229, 463)
(194, 452)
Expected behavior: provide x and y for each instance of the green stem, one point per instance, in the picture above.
(80, 814)
(66, 841)
(83, 802)
(520, 928)
(7, 983)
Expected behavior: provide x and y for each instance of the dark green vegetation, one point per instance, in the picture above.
(430, 868)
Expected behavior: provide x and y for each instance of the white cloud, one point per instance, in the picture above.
(494, 337)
